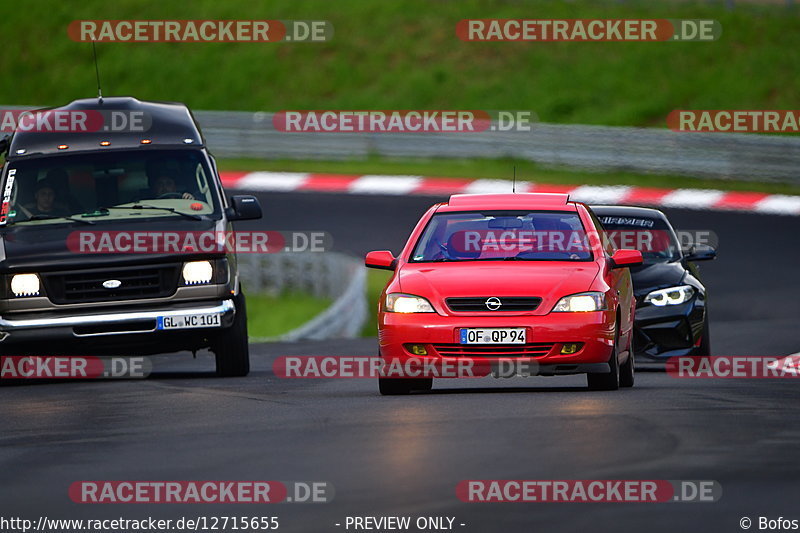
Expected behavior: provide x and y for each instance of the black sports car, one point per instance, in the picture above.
(671, 301)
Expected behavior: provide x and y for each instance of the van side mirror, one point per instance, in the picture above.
(382, 259)
(626, 258)
(244, 207)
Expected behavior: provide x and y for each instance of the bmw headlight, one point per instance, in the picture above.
(407, 303)
(197, 272)
(581, 303)
(25, 285)
(670, 296)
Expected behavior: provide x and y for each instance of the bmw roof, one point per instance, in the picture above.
(627, 211)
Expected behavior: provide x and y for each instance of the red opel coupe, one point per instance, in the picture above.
(488, 279)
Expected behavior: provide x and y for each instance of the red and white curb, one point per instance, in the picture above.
(756, 202)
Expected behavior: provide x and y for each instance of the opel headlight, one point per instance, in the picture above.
(25, 285)
(670, 296)
(580, 303)
(197, 272)
(407, 303)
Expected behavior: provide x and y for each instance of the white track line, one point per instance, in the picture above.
(692, 198)
(272, 181)
(495, 186)
(374, 184)
(603, 194)
(779, 204)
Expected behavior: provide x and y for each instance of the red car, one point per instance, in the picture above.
(492, 278)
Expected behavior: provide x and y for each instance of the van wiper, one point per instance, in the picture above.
(53, 217)
(143, 206)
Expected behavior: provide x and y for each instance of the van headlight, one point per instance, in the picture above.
(581, 303)
(25, 285)
(197, 272)
(407, 303)
(670, 296)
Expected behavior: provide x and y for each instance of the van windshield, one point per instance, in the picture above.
(106, 186)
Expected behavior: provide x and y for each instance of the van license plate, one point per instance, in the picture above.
(205, 320)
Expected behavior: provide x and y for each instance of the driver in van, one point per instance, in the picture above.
(165, 185)
(45, 203)
(162, 184)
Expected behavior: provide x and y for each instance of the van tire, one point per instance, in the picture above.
(231, 347)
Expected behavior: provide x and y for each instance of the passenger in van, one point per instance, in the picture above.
(45, 203)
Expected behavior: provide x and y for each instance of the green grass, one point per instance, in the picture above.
(271, 316)
(404, 54)
(500, 168)
(376, 281)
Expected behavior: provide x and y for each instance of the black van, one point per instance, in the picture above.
(61, 190)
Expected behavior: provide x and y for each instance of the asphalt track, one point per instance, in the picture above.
(404, 456)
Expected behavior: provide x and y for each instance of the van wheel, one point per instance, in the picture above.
(608, 381)
(231, 347)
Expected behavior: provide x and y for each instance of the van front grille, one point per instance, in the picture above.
(83, 286)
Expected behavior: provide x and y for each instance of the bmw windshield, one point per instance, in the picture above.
(651, 236)
(95, 187)
(503, 236)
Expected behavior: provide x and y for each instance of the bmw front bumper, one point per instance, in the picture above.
(668, 331)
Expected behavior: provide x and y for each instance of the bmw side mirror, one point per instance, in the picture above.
(700, 252)
(626, 258)
(244, 207)
(382, 259)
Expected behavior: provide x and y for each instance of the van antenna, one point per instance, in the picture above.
(514, 183)
(97, 73)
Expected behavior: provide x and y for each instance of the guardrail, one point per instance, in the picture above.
(330, 274)
(602, 148)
